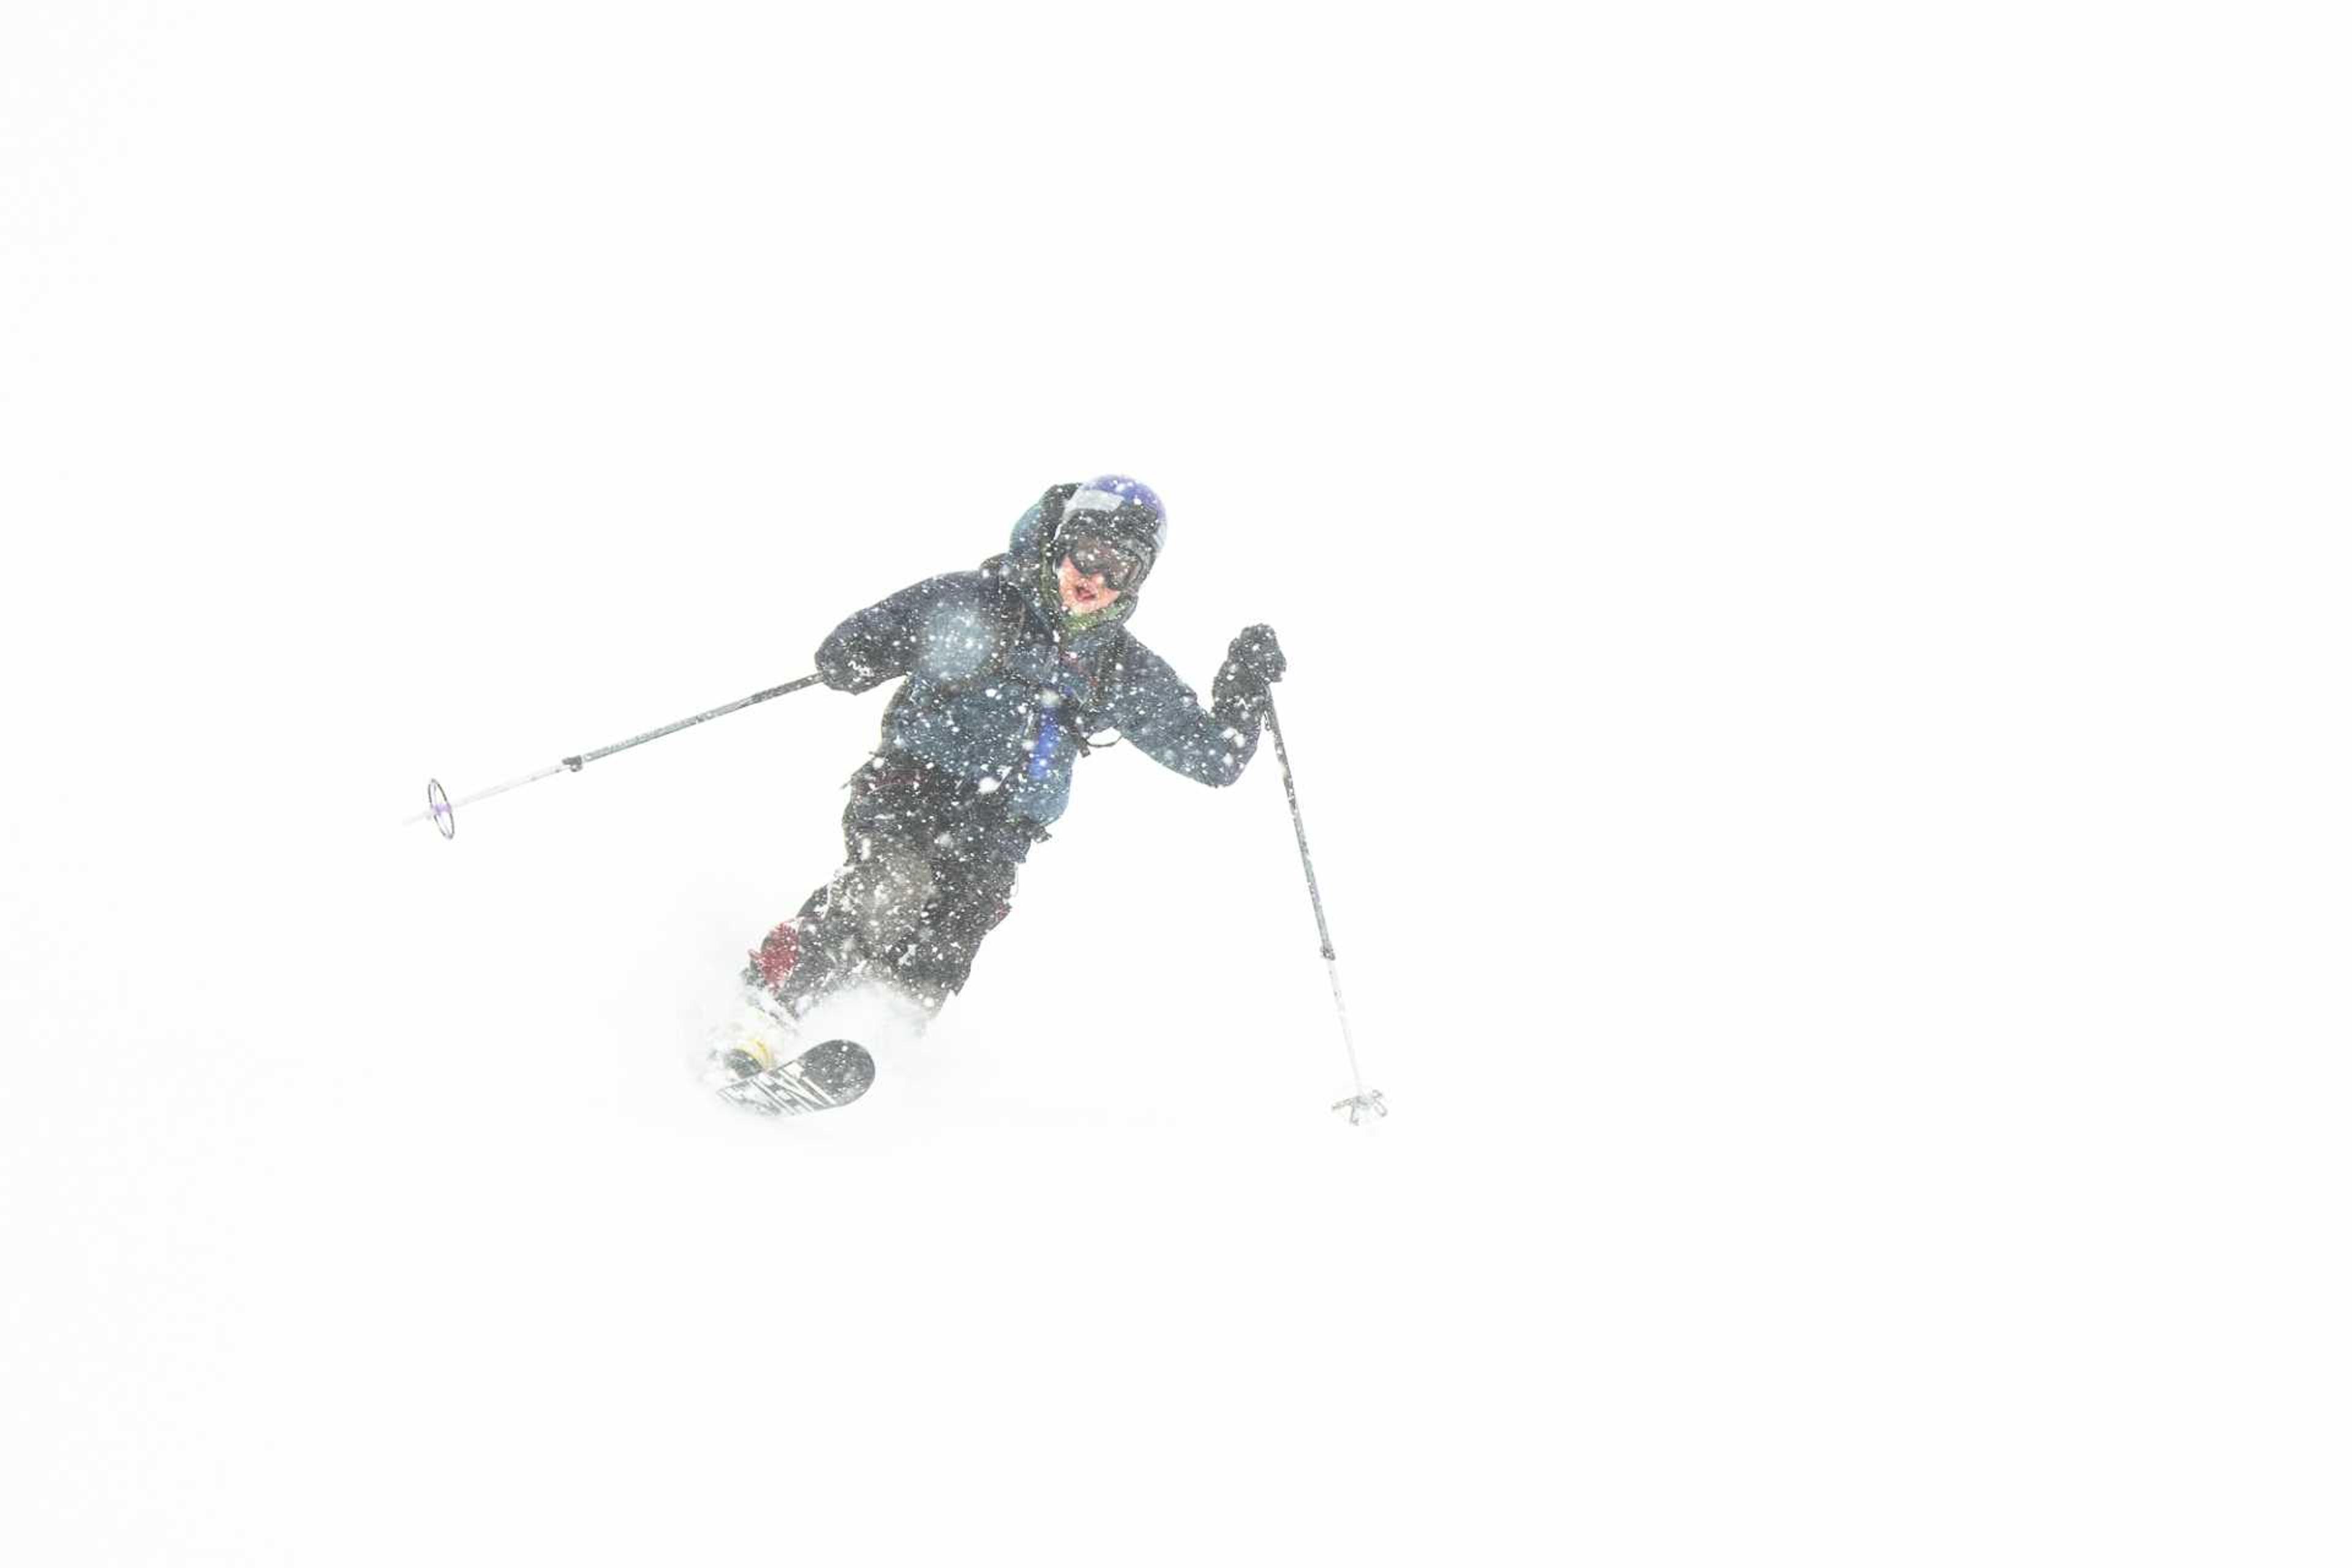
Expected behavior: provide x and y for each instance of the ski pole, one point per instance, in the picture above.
(442, 812)
(1363, 1102)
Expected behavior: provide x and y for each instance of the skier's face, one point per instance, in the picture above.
(1083, 595)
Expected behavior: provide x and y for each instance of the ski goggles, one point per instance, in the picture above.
(1120, 566)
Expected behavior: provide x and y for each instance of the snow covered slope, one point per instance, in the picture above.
(1810, 608)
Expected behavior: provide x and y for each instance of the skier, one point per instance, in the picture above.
(1011, 673)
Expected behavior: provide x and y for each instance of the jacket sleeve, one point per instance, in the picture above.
(1159, 712)
(940, 625)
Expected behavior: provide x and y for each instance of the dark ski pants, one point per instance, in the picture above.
(931, 863)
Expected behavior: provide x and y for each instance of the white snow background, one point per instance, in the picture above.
(1811, 544)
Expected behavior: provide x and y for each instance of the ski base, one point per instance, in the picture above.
(822, 1078)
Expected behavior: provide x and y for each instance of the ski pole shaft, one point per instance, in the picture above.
(1361, 1101)
(1299, 823)
(576, 764)
(441, 811)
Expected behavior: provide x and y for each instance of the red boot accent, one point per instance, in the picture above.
(778, 951)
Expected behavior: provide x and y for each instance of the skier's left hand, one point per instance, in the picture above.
(1257, 653)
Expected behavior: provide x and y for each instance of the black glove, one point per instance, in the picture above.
(1256, 654)
(1242, 694)
(844, 667)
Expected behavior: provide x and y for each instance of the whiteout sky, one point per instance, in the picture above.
(1811, 553)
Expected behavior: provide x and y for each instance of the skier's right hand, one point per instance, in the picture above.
(860, 656)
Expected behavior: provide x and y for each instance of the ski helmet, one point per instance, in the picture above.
(1120, 512)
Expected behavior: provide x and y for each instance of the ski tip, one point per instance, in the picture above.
(822, 1078)
(843, 1068)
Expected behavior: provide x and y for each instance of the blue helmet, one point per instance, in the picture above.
(1114, 507)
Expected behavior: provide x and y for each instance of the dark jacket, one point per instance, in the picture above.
(998, 688)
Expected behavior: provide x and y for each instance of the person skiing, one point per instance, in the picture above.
(1010, 674)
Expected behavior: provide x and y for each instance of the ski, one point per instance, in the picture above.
(822, 1078)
